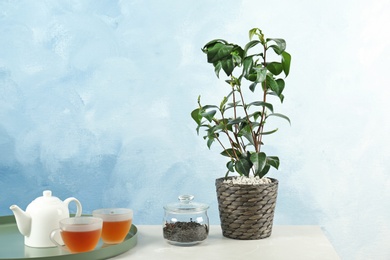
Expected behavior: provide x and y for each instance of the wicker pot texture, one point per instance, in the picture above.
(246, 211)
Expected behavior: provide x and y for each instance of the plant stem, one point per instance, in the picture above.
(247, 118)
(235, 133)
(229, 138)
(263, 113)
(223, 147)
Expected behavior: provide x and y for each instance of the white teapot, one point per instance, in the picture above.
(42, 215)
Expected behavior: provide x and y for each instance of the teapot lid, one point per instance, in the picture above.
(46, 198)
(185, 205)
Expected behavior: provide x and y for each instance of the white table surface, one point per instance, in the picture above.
(286, 242)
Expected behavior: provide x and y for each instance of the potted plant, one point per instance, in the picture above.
(238, 124)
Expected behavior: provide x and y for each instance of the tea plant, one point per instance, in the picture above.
(238, 125)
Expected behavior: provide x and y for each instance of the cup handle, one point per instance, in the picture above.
(78, 204)
(53, 235)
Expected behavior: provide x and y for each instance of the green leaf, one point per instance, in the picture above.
(243, 166)
(273, 161)
(258, 32)
(195, 114)
(217, 67)
(263, 104)
(205, 49)
(236, 121)
(281, 84)
(245, 129)
(230, 166)
(275, 68)
(251, 77)
(280, 45)
(276, 49)
(233, 81)
(209, 115)
(269, 132)
(247, 66)
(227, 66)
(209, 106)
(251, 44)
(253, 86)
(264, 171)
(197, 129)
(286, 61)
(218, 51)
(252, 32)
(249, 137)
(223, 56)
(236, 58)
(261, 74)
(281, 96)
(280, 89)
(221, 125)
(230, 153)
(210, 140)
(235, 104)
(213, 131)
(256, 115)
(281, 116)
(225, 126)
(222, 106)
(259, 161)
(273, 85)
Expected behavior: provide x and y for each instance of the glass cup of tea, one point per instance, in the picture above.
(80, 234)
(116, 223)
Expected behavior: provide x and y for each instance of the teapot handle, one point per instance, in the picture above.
(78, 204)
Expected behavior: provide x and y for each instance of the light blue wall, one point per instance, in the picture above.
(95, 102)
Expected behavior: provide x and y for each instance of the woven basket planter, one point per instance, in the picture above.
(246, 211)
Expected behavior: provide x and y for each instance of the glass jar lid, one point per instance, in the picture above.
(186, 205)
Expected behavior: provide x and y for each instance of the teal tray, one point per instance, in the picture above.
(12, 246)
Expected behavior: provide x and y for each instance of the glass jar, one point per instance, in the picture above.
(186, 222)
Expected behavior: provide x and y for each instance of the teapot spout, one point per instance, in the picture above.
(23, 220)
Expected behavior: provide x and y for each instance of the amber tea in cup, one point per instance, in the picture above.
(116, 223)
(80, 234)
